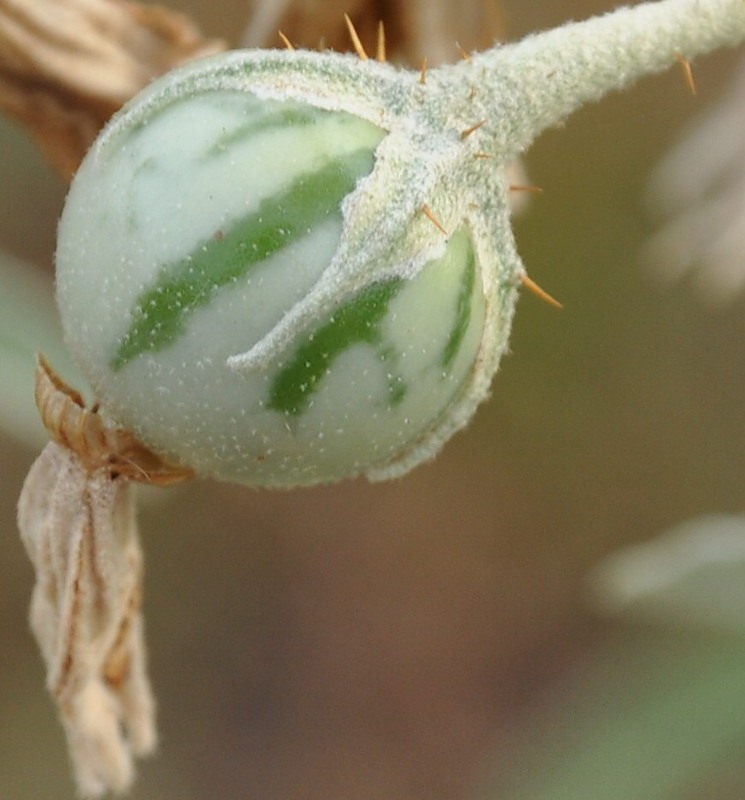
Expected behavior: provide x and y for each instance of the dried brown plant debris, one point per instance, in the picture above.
(413, 29)
(67, 65)
(76, 515)
(80, 532)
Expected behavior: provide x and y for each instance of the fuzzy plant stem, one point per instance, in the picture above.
(540, 80)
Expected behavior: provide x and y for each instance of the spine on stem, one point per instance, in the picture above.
(547, 76)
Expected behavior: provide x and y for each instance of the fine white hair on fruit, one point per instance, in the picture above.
(285, 267)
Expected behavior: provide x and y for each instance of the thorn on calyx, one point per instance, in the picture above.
(360, 50)
(423, 72)
(285, 41)
(464, 54)
(468, 131)
(533, 287)
(427, 211)
(380, 50)
(685, 65)
(518, 187)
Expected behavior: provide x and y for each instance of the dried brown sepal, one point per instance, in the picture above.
(67, 65)
(98, 444)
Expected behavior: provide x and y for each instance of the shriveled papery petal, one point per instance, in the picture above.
(80, 532)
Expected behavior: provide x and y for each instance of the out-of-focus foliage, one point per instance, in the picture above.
(692, 575)
(657, 710)
(28, 324)
(700, 184)
(653, 714)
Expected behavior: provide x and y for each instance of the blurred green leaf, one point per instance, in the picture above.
(649, 716)
(692, 575)
(29, 323)
(653, 713)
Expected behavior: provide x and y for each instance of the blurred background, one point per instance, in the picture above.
(436, 637)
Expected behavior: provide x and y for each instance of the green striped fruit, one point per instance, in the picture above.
(195, 229)
(283, 268)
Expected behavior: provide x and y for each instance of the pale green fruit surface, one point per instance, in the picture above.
(187, 237)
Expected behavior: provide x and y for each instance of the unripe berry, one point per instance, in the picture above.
(191, 231)
(288, 268)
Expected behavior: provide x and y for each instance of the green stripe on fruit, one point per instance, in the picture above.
(463, 310)
(355, 322)
(286, 116)
(160, 314)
